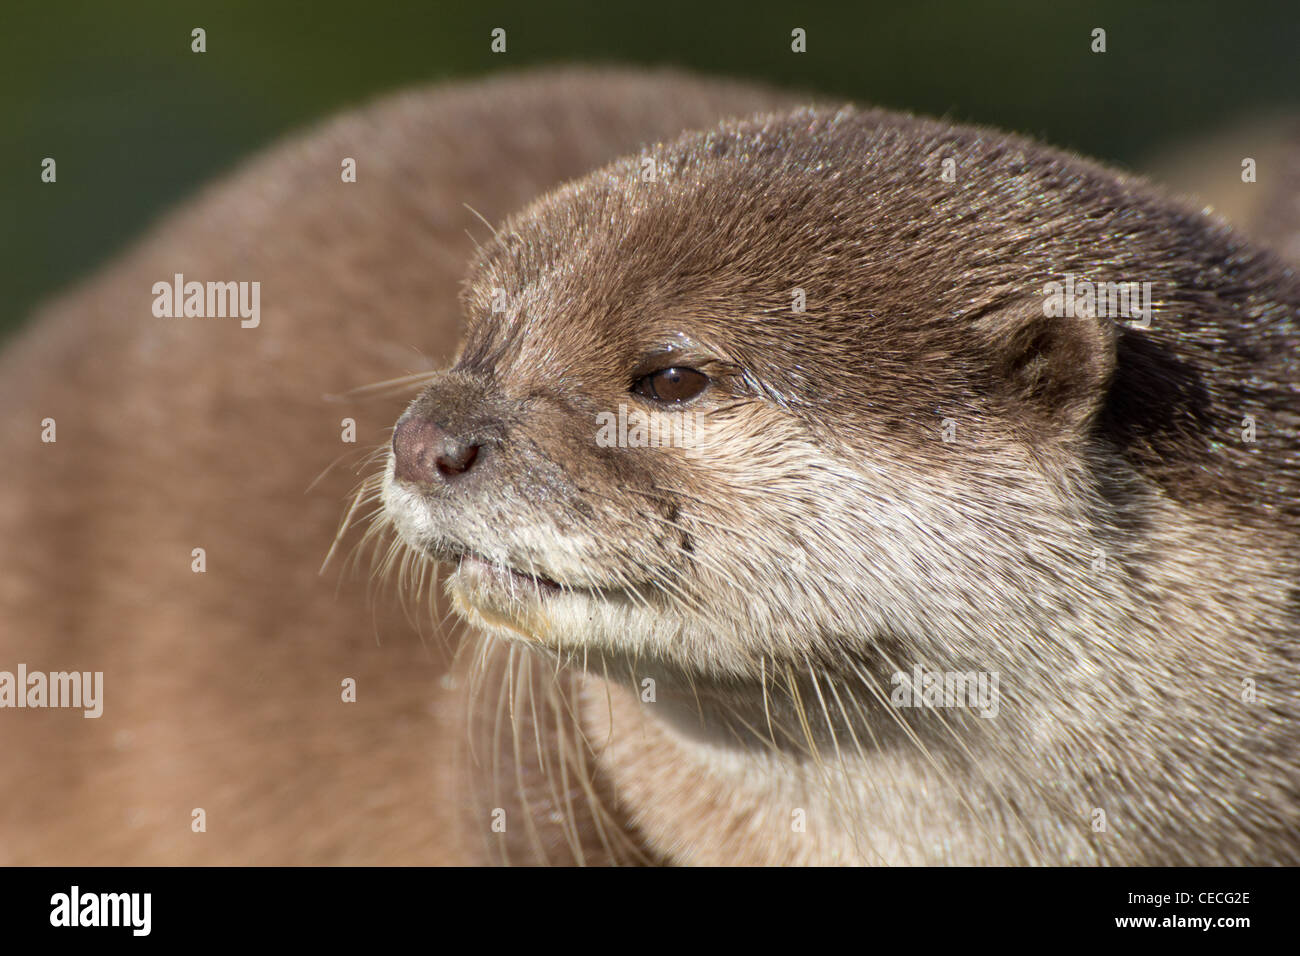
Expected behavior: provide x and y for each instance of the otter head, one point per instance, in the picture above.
(777, 392)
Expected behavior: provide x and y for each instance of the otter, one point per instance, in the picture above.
(985, 545)
(554, 738)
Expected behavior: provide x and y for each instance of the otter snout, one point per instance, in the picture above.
(425, 452)
(445, 433)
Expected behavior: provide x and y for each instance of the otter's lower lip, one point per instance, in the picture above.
(505, 576)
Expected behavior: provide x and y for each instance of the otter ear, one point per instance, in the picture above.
(1056, 369)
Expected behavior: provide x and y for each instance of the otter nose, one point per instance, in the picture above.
(425, 453)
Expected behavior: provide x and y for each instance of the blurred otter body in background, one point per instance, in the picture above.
(222, 689)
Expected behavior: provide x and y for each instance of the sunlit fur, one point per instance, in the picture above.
(824, 536)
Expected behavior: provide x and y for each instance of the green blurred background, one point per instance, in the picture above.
(136, 121)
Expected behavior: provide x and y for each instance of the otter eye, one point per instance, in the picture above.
(671, 385)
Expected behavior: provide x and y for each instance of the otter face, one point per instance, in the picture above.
(771, 406)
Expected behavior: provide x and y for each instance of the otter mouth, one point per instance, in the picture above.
(510, 602)
(475, 573)
(483, 571)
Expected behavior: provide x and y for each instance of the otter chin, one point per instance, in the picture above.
(499, 598)
(899, 475)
